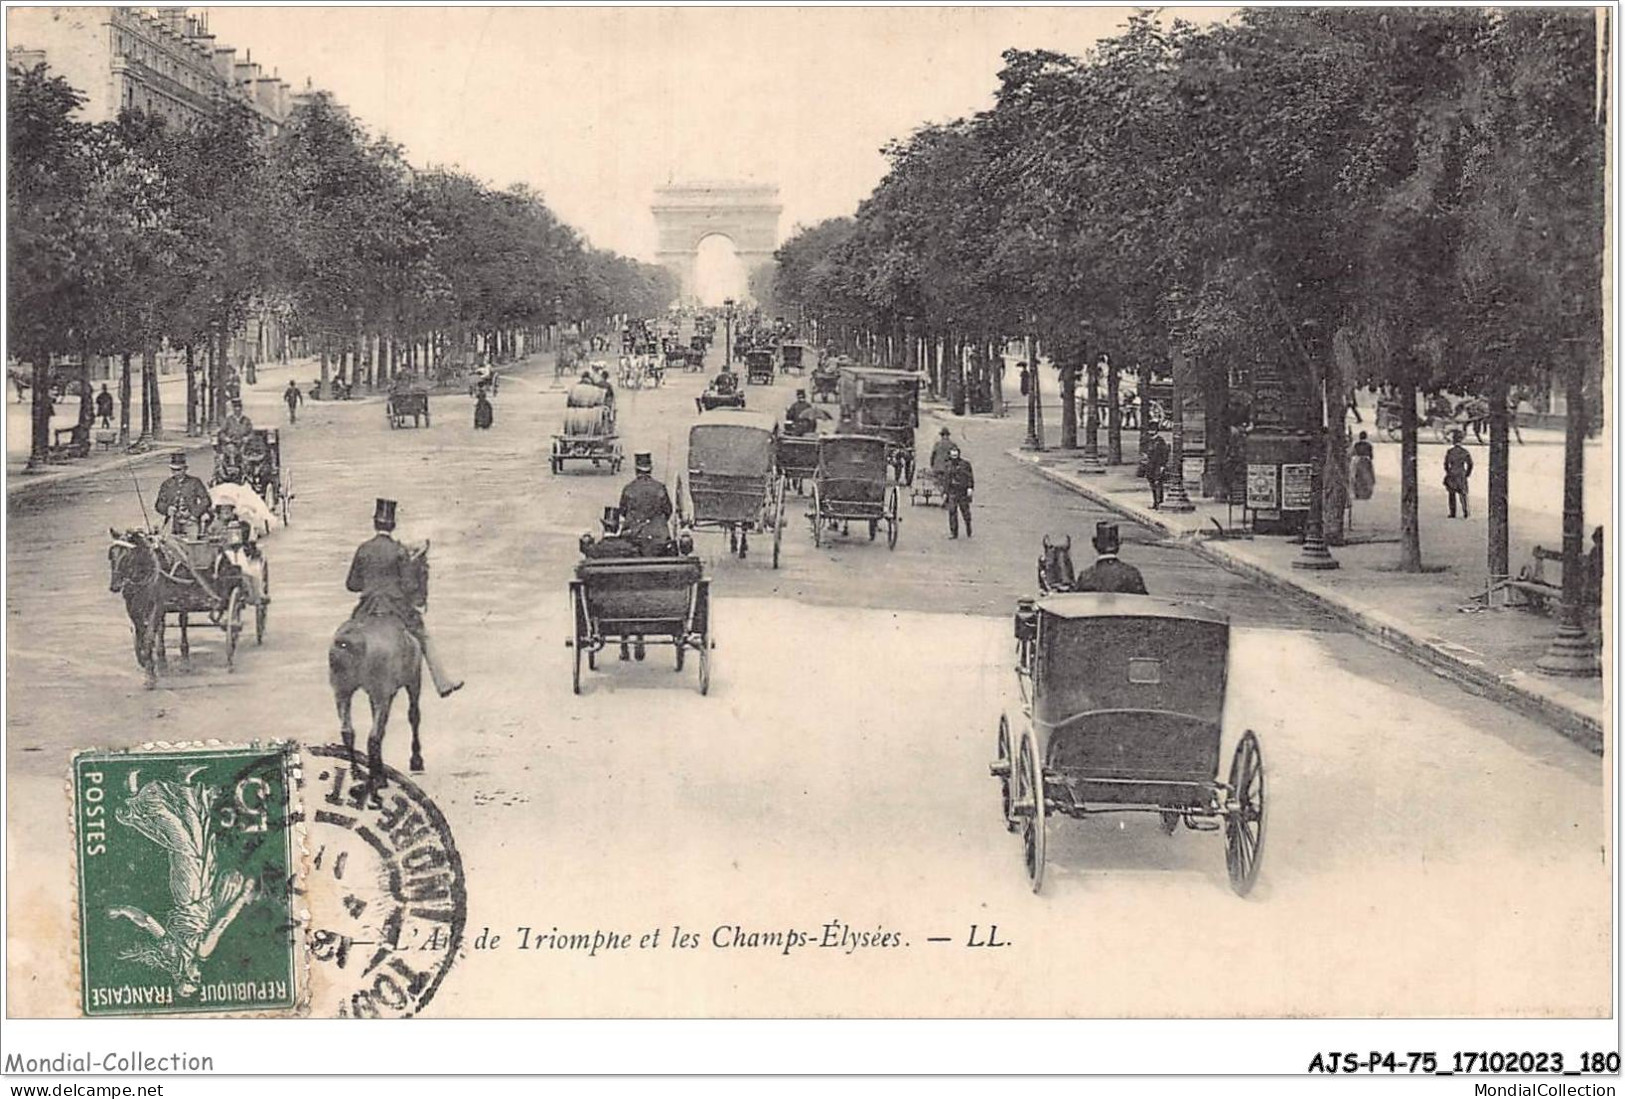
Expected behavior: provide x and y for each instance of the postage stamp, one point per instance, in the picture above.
(186, 869)
(385, 890)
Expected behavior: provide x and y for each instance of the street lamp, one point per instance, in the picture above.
(728, 334)
(1175, 498)
(1313, 554)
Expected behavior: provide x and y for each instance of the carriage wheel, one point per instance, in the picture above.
(577, 617)
(1031, 787)
(892, 520)
(817, 517)
(262, 609)
(1244, 816)
(1001, 769)
(234, 624)
(874, 528)
(705, 662)
(682, 648)
(284, 497)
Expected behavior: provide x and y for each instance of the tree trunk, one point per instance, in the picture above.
(1215, 396)
(222, 368)
(39, 409)
(1069, 407)
(191, 393)
(124, 399)
(1410, 529)
(146, 391)
(1571, 652)
(150, 365)
(1497, 556)
(1114, 416)
(87, 409)
(1335, 460)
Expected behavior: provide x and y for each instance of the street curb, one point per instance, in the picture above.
(21, 484)
(1517, 690)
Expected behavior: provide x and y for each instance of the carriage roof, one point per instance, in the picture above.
(731, 442)
(1074, 605)
(853, 449)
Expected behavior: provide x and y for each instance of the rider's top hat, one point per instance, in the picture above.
(643, 460)
(177, 460)
(1107, 537)
(384, 515)
(944, 431)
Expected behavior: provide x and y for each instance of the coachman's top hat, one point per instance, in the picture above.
(177, 460)
(384, 514)
(1107, 538)
(642, 460)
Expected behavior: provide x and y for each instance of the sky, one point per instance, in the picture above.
(595, 107)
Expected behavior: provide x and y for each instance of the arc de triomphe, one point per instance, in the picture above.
(686, 213)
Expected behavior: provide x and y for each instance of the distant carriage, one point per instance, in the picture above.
(733, 482)
(797, 459)
(885, 403)
(722, 392)
(589, 430)
(793, 358)
(759, 366)
(407, 404)
(852, 483)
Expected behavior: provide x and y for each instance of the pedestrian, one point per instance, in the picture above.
(958, 481)
(1458, 467)
(1108, 573)
(482, 410)
(1362, 474)
(292, 398)
(1154, 464)
(939, 454)
(104, 406)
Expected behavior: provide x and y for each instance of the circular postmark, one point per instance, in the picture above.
(384, 890)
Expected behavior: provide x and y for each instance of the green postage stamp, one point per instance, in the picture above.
(187, 860)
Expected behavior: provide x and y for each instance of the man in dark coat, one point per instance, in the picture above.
(104, 407)
(1108, 574)
(1156, 465)
(801, 418)
(293, 398)
(379, 573)
(958, 481)
(1458, 467)
(183, 499)
(646, 509)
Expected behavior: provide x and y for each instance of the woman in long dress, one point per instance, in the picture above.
(1362, 474)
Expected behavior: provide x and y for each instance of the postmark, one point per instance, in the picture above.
(186, 863)
(384, 887)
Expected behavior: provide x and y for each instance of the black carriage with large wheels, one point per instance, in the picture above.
(219, 580)
(759, 366)
(733, 483)
(884, 403)
(853, 484)
(408, 404)
(1123, 700)
(641, 601)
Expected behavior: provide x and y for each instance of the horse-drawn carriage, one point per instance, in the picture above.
(885, 403)
(722, 392)
(589, 430)
(639, 601)
(1441, 416)
(759, 366)
(733, 483)
(852, 482)
(407, 403)
(797, 459)
(793, 358)
(163, 576)
(257, 463)
(1123, 697)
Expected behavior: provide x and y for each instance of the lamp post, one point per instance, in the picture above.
(1091, 424)
(1035, 412)
(1314, 555)
(1174, 497)
(728, 334)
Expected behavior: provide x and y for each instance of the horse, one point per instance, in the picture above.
(1055, 571)
(376, 653)
(137, 575)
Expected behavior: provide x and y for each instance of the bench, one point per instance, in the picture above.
(1542, 591)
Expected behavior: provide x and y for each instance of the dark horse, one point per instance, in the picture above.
(375, 653)
(137, 575)
(1055, 572)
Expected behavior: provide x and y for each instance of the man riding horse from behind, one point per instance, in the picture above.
(379, 573)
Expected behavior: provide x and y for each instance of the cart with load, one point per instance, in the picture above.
(759, 366)
(639, 601)
(589, 430)
(852, 483)
(885, 403)
(1123, 700)
(826, 380)
(733, 483)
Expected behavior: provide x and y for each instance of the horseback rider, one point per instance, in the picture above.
(646, 509)
(378, 572)
(1108, 574)
(183, 499)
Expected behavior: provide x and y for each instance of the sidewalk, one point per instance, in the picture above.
(1428, 616)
